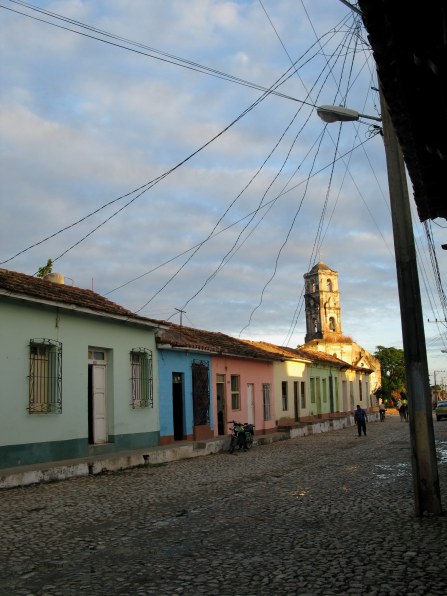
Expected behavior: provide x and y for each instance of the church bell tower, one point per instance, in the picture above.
(322, 303)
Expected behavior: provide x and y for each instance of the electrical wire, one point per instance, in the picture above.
(162, 56)
(148, 185)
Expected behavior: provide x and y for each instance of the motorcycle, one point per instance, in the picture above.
(241, 436)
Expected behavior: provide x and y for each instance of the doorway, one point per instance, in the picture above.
(177, 405)
(250, 403)
(220, 403)
(97, 397)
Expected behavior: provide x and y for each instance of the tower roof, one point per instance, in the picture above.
(320, 266)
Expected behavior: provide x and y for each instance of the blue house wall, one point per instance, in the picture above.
(174, 361)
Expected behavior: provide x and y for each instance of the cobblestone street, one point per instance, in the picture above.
(324, 514)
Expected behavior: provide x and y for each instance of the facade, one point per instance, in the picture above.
(238, 385)
(79, 373)
(184, 372)
(291, 383)
(312, 384)
(324, 331)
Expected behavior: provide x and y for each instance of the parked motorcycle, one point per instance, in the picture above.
(241, 436)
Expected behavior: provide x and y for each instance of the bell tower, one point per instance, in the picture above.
(322, 303)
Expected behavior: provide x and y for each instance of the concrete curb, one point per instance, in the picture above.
(63, 470)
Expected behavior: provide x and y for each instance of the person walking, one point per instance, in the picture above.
(360, 418)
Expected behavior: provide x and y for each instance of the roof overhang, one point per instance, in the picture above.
(409, 42)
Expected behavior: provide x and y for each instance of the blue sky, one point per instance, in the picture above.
(228, 235)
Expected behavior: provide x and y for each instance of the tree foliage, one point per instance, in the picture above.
(393, 373)
(46, 269)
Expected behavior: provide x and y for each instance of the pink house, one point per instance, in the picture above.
(243, 390)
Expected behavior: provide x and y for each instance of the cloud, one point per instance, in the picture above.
(84, 123)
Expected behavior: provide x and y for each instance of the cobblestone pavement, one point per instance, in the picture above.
(324, 514)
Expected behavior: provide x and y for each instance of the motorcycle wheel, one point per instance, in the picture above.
(249, 442)
(232, 445)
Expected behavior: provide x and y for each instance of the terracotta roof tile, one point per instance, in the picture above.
(21, 285)
(307, 355)
(211, 341)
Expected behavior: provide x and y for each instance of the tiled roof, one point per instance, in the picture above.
(329, 359)
(303, 354)
(19, 285)
(320, 266)
(281, 351)
(210, 341)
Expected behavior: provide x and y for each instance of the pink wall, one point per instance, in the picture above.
(250, 372)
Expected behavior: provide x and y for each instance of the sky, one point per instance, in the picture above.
(168, 155)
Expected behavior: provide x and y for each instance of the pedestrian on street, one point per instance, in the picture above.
(403, 412)
(360, 418)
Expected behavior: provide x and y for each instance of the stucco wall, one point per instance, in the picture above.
(170, 361)
(251, 372)
(290, 372)
(68, 431)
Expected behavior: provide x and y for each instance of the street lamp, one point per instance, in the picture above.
(331, 114)
(423, 452)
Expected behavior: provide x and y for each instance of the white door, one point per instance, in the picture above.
(250, 404)
(99, 404)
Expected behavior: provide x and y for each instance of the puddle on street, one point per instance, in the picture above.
(441, 451)
(386, 471)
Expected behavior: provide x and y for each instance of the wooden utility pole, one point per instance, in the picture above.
(423, 451)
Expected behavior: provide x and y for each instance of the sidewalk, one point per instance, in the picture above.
(98, 464)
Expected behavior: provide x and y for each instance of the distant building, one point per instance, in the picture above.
(324, 329)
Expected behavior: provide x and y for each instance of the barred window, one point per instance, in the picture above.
(142, 378)
(45, 376)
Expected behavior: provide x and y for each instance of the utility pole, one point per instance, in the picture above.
(181, 313)
(434, 375)
(423, 451)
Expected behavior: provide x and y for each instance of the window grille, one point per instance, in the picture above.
(45, 376)
(141, 378)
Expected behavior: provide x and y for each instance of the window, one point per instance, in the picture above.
(284, 392)
(303, 394)
(329, 285)
(141, 378)
(45, 376)
(312, 390)
(235, 392)
(360, 390)
(266, 400)
(331, 323)
(324, 390)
